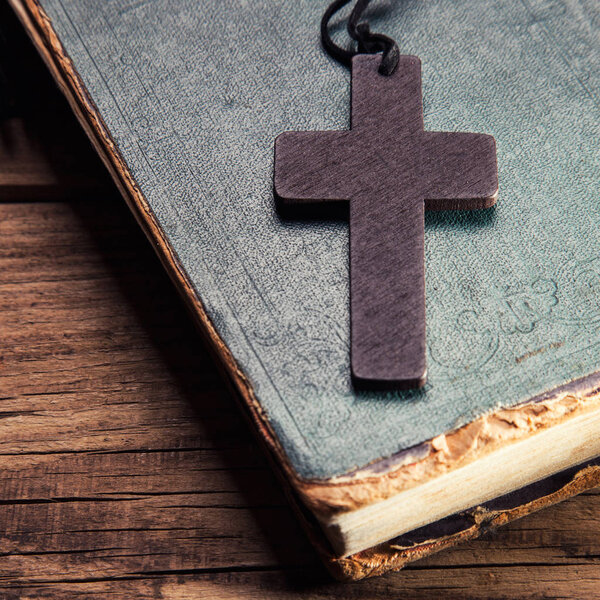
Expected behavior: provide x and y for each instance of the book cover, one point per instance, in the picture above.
(183, 102)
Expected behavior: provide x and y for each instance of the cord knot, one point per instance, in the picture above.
(367, 41)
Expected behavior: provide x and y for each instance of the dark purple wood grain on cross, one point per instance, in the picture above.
(390, 170)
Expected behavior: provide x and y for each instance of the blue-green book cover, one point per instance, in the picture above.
(184, 101)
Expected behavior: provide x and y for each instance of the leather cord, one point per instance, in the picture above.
(367, 41)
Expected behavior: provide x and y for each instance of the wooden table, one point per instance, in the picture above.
(126, 470)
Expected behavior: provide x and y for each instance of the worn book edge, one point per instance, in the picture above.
(382, 478)
(512, 467)
(446, 533)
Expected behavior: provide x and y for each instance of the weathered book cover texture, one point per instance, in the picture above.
(183, 101)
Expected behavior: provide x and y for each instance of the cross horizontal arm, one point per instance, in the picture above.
(460, 170)
(310, 166)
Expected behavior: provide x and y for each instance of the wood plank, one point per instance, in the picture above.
(84, 391)
(44, 154)
(492, 582)
(126, 470)
(63, 538)
(40, 162)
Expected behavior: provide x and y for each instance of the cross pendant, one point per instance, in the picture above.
(390, 170)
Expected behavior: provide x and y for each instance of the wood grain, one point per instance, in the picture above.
(41, 163)
(390, 170)
(43, 152)
(127, 472)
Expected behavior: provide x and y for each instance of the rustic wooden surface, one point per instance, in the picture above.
(126, 470)
(390, 170)
(37, 161)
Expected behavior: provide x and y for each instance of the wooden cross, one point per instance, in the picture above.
(390, 170)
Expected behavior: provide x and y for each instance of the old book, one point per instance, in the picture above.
(183, 102)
